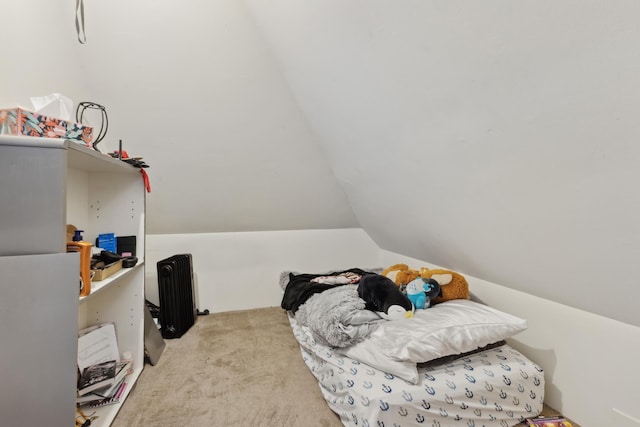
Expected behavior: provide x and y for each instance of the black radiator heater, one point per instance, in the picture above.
(178, 310)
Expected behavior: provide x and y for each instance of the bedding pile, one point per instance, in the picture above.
(328, 304)
(337, 317)
(448, 365)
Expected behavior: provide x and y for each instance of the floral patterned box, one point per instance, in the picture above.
(18, 121)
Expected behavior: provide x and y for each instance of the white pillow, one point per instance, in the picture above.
(368, 352)
(451, 327)
(405, 370)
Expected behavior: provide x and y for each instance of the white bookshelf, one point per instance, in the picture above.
(45, 185)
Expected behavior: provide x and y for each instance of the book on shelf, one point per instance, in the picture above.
(116, 398)
(99, 366)
(106, 387)
(96, 376)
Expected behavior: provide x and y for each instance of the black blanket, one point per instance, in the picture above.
(300, 287)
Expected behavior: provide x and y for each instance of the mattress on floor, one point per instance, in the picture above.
(498, 387)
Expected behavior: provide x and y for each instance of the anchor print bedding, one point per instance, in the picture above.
(498, 387)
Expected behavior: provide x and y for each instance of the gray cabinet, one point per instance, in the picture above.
(38, 306)
(44, 185)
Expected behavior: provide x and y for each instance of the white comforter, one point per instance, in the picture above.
(494, 388)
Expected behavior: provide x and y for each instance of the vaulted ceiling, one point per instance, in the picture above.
(496, 138)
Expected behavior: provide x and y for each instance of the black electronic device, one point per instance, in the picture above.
(129, 261)
(126, 245)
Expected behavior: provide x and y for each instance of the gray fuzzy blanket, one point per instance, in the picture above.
(337, 317)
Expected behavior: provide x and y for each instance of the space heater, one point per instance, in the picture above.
(178, 310)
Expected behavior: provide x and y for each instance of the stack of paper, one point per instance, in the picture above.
(102, 375)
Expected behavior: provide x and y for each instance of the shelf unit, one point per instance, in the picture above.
(46, 184)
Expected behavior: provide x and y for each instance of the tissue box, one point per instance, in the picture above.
(18, 121)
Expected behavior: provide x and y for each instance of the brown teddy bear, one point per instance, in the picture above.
(401, 275)
(453, 285)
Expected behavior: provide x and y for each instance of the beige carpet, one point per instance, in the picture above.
(241, 368)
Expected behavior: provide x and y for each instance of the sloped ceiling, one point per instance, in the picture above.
(194, 89)
(39, 56)
(497, 138)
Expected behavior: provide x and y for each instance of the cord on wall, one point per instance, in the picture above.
(82, 37)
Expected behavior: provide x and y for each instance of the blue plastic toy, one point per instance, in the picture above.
(421, 291)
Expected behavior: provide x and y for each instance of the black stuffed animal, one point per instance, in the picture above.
(383, 296)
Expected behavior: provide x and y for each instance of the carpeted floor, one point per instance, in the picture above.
(241, 368)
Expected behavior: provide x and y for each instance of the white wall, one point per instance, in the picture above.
(494, 137)
(590, 361)
(40, 52)
(193, 88)
(240, 270)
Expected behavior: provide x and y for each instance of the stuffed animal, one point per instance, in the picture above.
(452, 285)
(401, 275)
(381, 295)
(421, 291)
